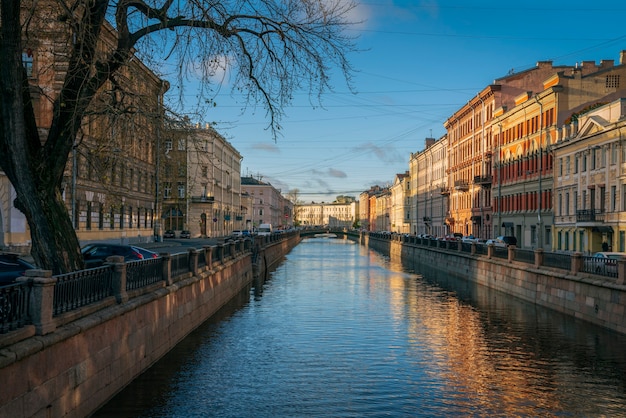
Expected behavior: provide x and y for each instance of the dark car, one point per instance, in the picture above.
(96, 254)
(185, 234)
(169, 234)
(508, 239)
(12, 267)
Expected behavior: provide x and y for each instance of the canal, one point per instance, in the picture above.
(341, 331)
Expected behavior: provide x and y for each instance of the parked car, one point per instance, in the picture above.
(169, 234)
(604, 263)
(185, 234)
(237, 233)
(96, 254)
(12, 267)
(508, 239)
(496, 242)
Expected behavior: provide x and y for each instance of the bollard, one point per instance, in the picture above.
(119, 277)
(41, 304)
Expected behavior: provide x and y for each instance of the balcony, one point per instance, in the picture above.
(590, 215)
(444, 191)
(461, 185)
(202, 199)
(484, 181)
(426, 219)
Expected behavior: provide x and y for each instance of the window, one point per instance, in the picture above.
(613, 198)
(167, 190)
(560, 166)
(584, 163)
(602, 198)
(181, 145)
(205, 171)
(27, 62)
(567, 203)
(575, 201)
(614, 154)
(168, 145)
(567, 162)
(181, 190)
(593, 158)
(612, 81)
(576, 164)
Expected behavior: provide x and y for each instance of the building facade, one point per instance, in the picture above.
(399, 207)
(268, 205)
(590, 181)
(332, 215)
(471, 145)
(109, 184)
(201, 183)
(525, 136)
(429, 192)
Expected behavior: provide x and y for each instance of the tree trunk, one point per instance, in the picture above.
(54, 241)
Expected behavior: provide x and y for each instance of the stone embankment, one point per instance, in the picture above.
(79, 345)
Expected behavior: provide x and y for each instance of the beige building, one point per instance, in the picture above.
(590, 181)
(334, 215)
(268, 205)
(201, 183)
(398, 212)
(428, 191)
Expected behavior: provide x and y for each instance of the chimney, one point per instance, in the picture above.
(429, 142)
(607, 63)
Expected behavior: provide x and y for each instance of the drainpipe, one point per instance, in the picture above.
(540, 235)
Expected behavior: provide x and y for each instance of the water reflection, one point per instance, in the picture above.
(342, 331)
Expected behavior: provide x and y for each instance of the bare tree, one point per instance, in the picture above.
(272, 48)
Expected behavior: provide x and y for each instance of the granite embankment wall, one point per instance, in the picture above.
(592, 298)
(74, 370)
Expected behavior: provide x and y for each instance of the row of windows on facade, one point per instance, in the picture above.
(575, 241)
(589, 201)
(122, 176)
(122, 217)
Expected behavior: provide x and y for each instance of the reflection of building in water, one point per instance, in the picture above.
(467, 350)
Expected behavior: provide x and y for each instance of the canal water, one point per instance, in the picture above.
(341, 331)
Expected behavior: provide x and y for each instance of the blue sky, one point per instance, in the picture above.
(420, 61)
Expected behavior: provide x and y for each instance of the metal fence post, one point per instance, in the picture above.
(41, 303)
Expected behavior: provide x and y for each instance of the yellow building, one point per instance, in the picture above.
(590, 181)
